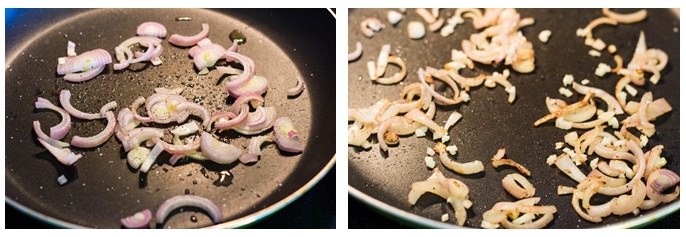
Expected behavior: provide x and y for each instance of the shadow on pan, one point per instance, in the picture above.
(383, 181)
(284, 43)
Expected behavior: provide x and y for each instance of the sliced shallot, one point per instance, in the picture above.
(60, 130)
(139, 220)
(188, 200)
(217, 151)
(188, 41)
(98, 139)
(286, 136)
(299, 87)
(63, 155)
(151, 28)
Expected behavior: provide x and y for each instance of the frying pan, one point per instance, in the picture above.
(284, 44)
(382, 180)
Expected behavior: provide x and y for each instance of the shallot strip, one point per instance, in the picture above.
(472, 167)
(60, 130)
(352, 56)
(98, 139)
(626, 18)
(196, 107)
(188, 41)
(609, 99)
(65, 96)
(86, 75)
(259, 121)
(254, 148)
(382, 61)
(299, 87)
(518, 186)
(397, 77)
(418, 116)
(453, 190)
(565, 110)
(63, 155)
(188, 200)
(152, 156)
(218, 151)
(498, 160)
(456, 97)
(46, 138)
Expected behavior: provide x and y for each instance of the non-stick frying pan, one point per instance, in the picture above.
(284, 43)
(383, 181)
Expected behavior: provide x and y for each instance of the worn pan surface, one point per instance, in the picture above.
(383, 181)
(284, 43)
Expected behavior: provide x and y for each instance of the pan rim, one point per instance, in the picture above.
(236, 223)
(409, 217)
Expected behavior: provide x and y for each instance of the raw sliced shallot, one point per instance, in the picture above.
(299, 88)
(40, 134)
(90, 64)
(152, 156)
(60, 130)
(98, 139)
(217, 151)
(286, 136)
(354, 55)
(254, 148)
(626, 18)
(63, 155)
(257, 122)
(188, 41)
(139, 220)
(65, 95)
(188, 200)
(152, 28)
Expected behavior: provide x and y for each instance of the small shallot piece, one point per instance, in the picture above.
(612, 103)
(499, 160)
(188, 200)
(152, 156)
(354, 55)
(286, 136)
(397, 77)
(188, 41)
(89, 63)
(139, 220)
(63, 155)
(393, 17)
(565, 110)
(518, 186)
(626, 18)
(415, 30)
(152, 28)
(299, 87)
(370, 25)
(254, 148)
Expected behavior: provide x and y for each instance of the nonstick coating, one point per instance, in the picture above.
(102, 188)
(489, 122)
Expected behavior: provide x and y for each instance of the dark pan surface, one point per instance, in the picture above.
(102, 188)
(489, 122)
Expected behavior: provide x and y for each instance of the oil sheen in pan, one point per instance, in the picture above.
(102, 188)
(489, 122)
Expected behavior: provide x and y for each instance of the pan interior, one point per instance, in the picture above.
(102, 188)
(489, 122)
